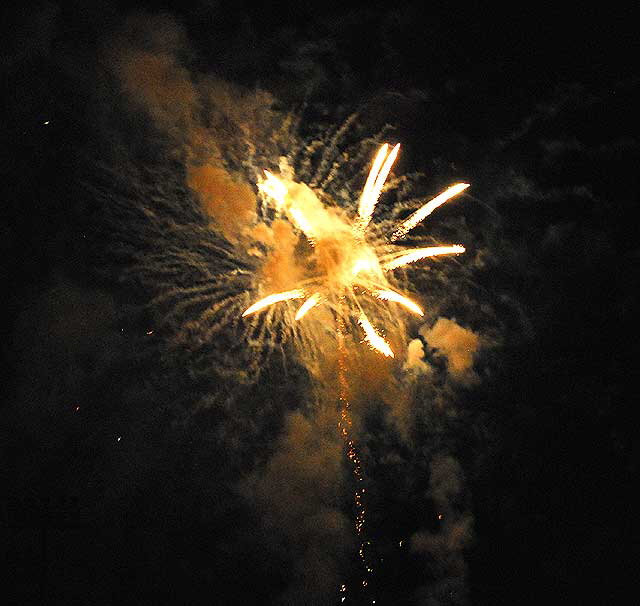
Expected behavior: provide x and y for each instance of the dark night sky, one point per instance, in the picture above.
(127, 470)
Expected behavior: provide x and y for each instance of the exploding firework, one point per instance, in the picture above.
(344, 263)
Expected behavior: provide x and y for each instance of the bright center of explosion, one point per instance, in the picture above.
(345, 261)
(343, 264)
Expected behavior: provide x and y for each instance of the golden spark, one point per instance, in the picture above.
(275, 298)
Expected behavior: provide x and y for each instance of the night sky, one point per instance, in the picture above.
(154, 457)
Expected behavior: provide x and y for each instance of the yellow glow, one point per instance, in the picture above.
(310, 303)
(374, 339)
(273, 187)
(301, 222)
(275, 298)
(422, 253)
(363, 265)
(424, 211)
(277, 190)
(390, 295)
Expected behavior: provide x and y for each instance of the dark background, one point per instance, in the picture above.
(536, 104)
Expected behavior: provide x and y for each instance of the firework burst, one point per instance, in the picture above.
(308, 270)
(344, 263)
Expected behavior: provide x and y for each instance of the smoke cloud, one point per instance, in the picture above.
(444, 547)
(210, 124)
(229, 203)
(459, 345)
(415, 358)
(297, 494)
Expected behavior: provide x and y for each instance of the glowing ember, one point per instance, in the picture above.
(374, 339)
(273, 187)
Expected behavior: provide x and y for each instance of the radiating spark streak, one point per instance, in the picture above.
(273, 187)
(309, 304)
(390, 295)
(275, 298)
(301, 222)
(422, 253)
(375, 182)
(382, 178)
(374, 339)
(365, 208)
(424, 211)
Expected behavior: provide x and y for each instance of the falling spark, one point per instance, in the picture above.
(390, 295)
(374, 339)
(309, 304)
(423, 212)
(422, 253)
(275, 298)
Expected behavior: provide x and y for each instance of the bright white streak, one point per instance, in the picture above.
(301, 222)
(275, 298)
(273, 187)
(365, 209)
(375, 182)
(310, 303)
(381, 178)
(424, 211)
(422, 253)
(390, 295)
(374, 339)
